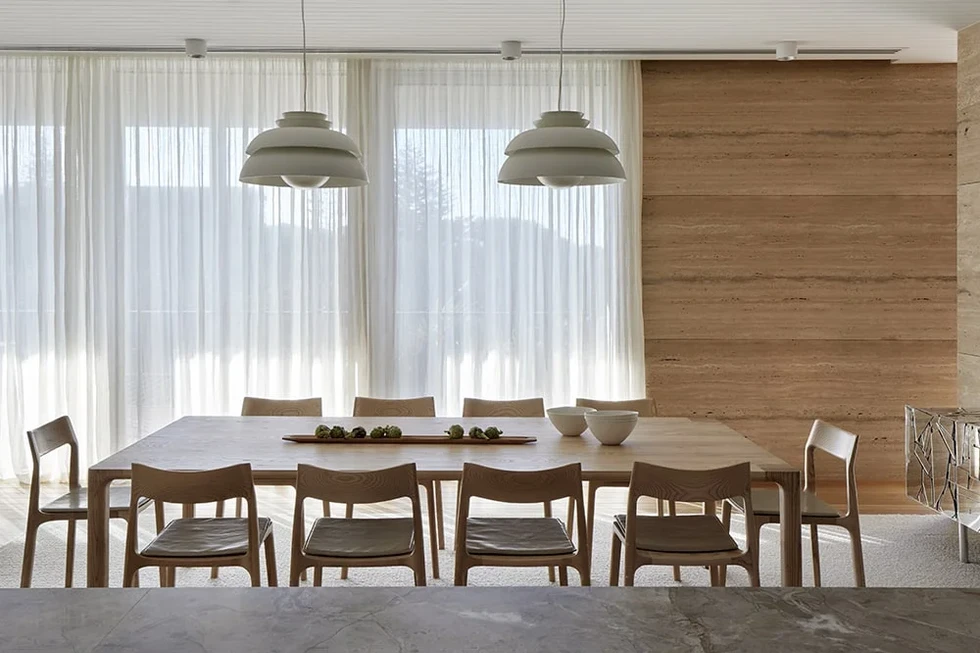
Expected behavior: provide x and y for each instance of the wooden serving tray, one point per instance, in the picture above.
(411, 439)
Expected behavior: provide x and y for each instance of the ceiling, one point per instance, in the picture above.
(925, 30)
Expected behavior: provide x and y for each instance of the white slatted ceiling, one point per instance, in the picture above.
(925, 28)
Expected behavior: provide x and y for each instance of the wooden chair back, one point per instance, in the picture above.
(520, 487)
(193, 487)
(838, 443)
(357, 487)
(45, 439)
(262, 407)
(689, 485)
(506, 408)
(645, 407)
(412, 407)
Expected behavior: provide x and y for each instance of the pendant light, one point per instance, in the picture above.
(561, 151)
(303, 151)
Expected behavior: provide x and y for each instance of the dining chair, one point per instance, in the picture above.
(685, 540)
(264, 407)
(842, 445)
(349, 542)
(511, 408)
(522, 541)
(201, 541)
(72, 506)
(645, 408)
(411, 407)
(504, 408)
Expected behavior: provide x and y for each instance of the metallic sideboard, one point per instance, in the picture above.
(942, 464)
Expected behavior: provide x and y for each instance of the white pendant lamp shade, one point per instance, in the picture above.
(561, 152)
(303, 152)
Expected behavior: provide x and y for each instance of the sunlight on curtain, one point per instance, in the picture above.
(141, 280)
(498, 291)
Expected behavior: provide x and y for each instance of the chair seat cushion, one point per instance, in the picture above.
(534, 536)
(361, 538)
(205, 537)
(766, 502)
(76, 500)
(688, 534)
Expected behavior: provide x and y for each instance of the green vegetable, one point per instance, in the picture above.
(357, 433)
(393, 432)
(477, 433)
(493, 433)
(322, 431)
(455, 432)
(378, 432)
(338, 433)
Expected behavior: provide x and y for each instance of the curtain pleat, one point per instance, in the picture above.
(140, 281)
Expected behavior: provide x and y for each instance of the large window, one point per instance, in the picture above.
(141, 281)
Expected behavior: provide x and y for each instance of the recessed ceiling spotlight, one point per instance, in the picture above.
(196, 48)
(510, 50)
(786, 51)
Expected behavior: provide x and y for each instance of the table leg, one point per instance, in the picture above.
(98, 530)
(790, 525)
(964, 543)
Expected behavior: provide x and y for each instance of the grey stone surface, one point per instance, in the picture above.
(505, 620)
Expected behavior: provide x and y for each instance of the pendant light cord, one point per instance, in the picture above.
(561, 51)
(302, 13)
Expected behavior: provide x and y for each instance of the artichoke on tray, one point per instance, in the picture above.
(338, 433)
(455, 432)
(378, 432)
(393, 432)
(477, 433)
(492, 433)
(357, 433)
(322, 431)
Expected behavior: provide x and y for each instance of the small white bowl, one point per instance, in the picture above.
(569, 420)
(611, 427)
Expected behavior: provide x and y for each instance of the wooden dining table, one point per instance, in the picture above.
(206, 442)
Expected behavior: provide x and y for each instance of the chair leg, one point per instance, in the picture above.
(754, 574)
(459, 575)
(713, 574)
(440, 519)
(590, 513)
(238, 507)
(614, 561)
(815, 554)
(70, 554)
(726, 521)
(430, 492)
(129, 574)
(318, 577)
(294, 573)
(219, 512)
(547, 513)
(563, 576)
(326, 508)
(857, 553)
(30, 544)
(270, 562)
(672, 507)
(570, 517)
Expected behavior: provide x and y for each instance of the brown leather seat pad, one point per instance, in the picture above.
(202, 537)
(517, 536)
(77, 500)
(688, 534)
(361, 538)
(766, 502)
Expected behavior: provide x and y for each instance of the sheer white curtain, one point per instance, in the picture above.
(139, 281)
(490, 290)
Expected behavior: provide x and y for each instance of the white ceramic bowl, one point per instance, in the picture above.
(611, 427)
(569, 420)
